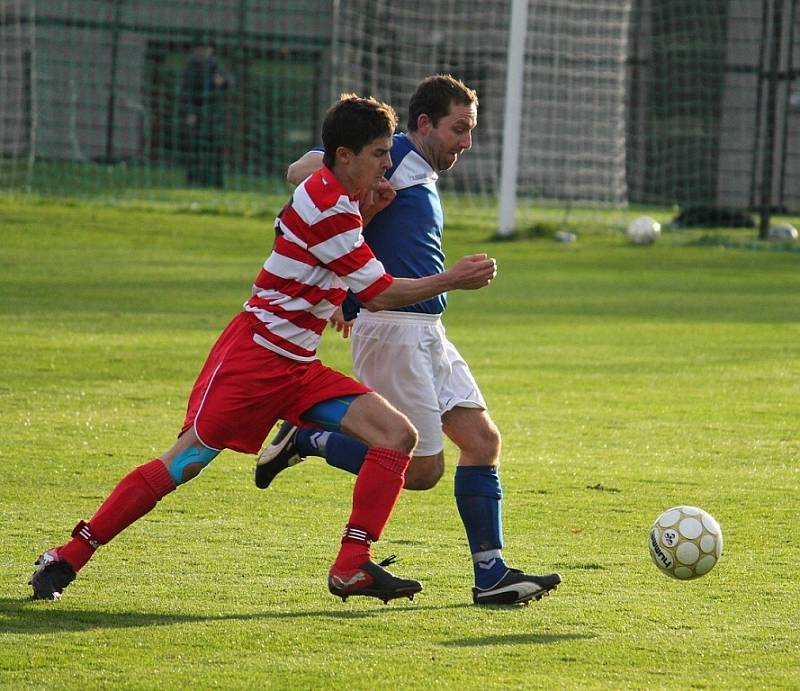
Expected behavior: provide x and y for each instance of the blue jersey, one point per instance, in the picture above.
(407, 235)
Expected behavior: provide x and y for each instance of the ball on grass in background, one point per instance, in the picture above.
(685, 542)
(782, 232)
(643, 230)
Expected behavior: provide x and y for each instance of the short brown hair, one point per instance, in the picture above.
(435, 95)
(354, 122)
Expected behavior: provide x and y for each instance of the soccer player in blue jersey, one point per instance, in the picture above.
(405, 355)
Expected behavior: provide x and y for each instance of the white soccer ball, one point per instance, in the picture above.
(685, 542)
(643, 230)
(782, 232)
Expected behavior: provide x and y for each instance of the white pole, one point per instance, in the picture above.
(512, 116)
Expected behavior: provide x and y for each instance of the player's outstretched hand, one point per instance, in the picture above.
(473, 271)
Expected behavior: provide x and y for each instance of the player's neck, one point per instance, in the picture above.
(352, 188)
(419, 144)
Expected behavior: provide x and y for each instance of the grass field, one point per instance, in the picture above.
(625, 380)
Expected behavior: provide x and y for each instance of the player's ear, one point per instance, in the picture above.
(343, 154)
(424, 123)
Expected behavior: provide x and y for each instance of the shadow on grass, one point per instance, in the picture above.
(517, 639)
(25, 616)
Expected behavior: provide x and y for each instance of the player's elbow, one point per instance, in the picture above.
(377, 304)
(293, 176)
(304, 166)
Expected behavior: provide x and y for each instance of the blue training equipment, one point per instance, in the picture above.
(328, 414)
(190, 456)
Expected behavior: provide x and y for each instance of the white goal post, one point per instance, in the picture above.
(512, 117)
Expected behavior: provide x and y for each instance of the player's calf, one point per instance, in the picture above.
(424, 472)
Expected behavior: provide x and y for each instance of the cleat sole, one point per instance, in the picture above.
(511, 597)
(379, 595)
(384, 595)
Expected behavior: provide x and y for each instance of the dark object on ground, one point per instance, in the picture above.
(712, 217)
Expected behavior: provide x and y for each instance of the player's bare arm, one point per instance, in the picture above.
(308, 163)
(469, 273)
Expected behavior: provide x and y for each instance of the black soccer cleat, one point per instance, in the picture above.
(280, 454)
(372, 580)
(516, 587)
(51, 577)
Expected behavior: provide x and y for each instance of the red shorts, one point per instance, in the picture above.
(244, 389)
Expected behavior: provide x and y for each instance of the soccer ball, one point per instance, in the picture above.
(782, 232)
(644, 230)
(685, 542)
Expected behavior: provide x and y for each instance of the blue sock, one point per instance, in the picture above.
(338, 450)
(479, 502)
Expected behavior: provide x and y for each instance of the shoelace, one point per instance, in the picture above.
(391, 559)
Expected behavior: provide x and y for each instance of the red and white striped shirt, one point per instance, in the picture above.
(319, 254)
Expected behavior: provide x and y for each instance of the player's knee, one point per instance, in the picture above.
(489, 445)
(424, 473)
(402, 436)
(408, 439)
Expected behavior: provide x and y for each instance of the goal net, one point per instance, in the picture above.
(621, 101)
(16, 106)
(129, 97)
(572, 143)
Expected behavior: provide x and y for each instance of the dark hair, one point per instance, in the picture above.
(434, 97)
(354, 122)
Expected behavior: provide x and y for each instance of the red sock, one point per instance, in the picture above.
(375, 493)
(135, 495)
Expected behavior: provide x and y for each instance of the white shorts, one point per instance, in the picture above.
(408, 360)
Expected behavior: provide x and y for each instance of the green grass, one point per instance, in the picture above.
(624, 379)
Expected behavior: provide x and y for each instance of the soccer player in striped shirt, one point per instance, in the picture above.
(405, 355)
(264, 366)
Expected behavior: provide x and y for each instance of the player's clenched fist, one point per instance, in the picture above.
(474, 271)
